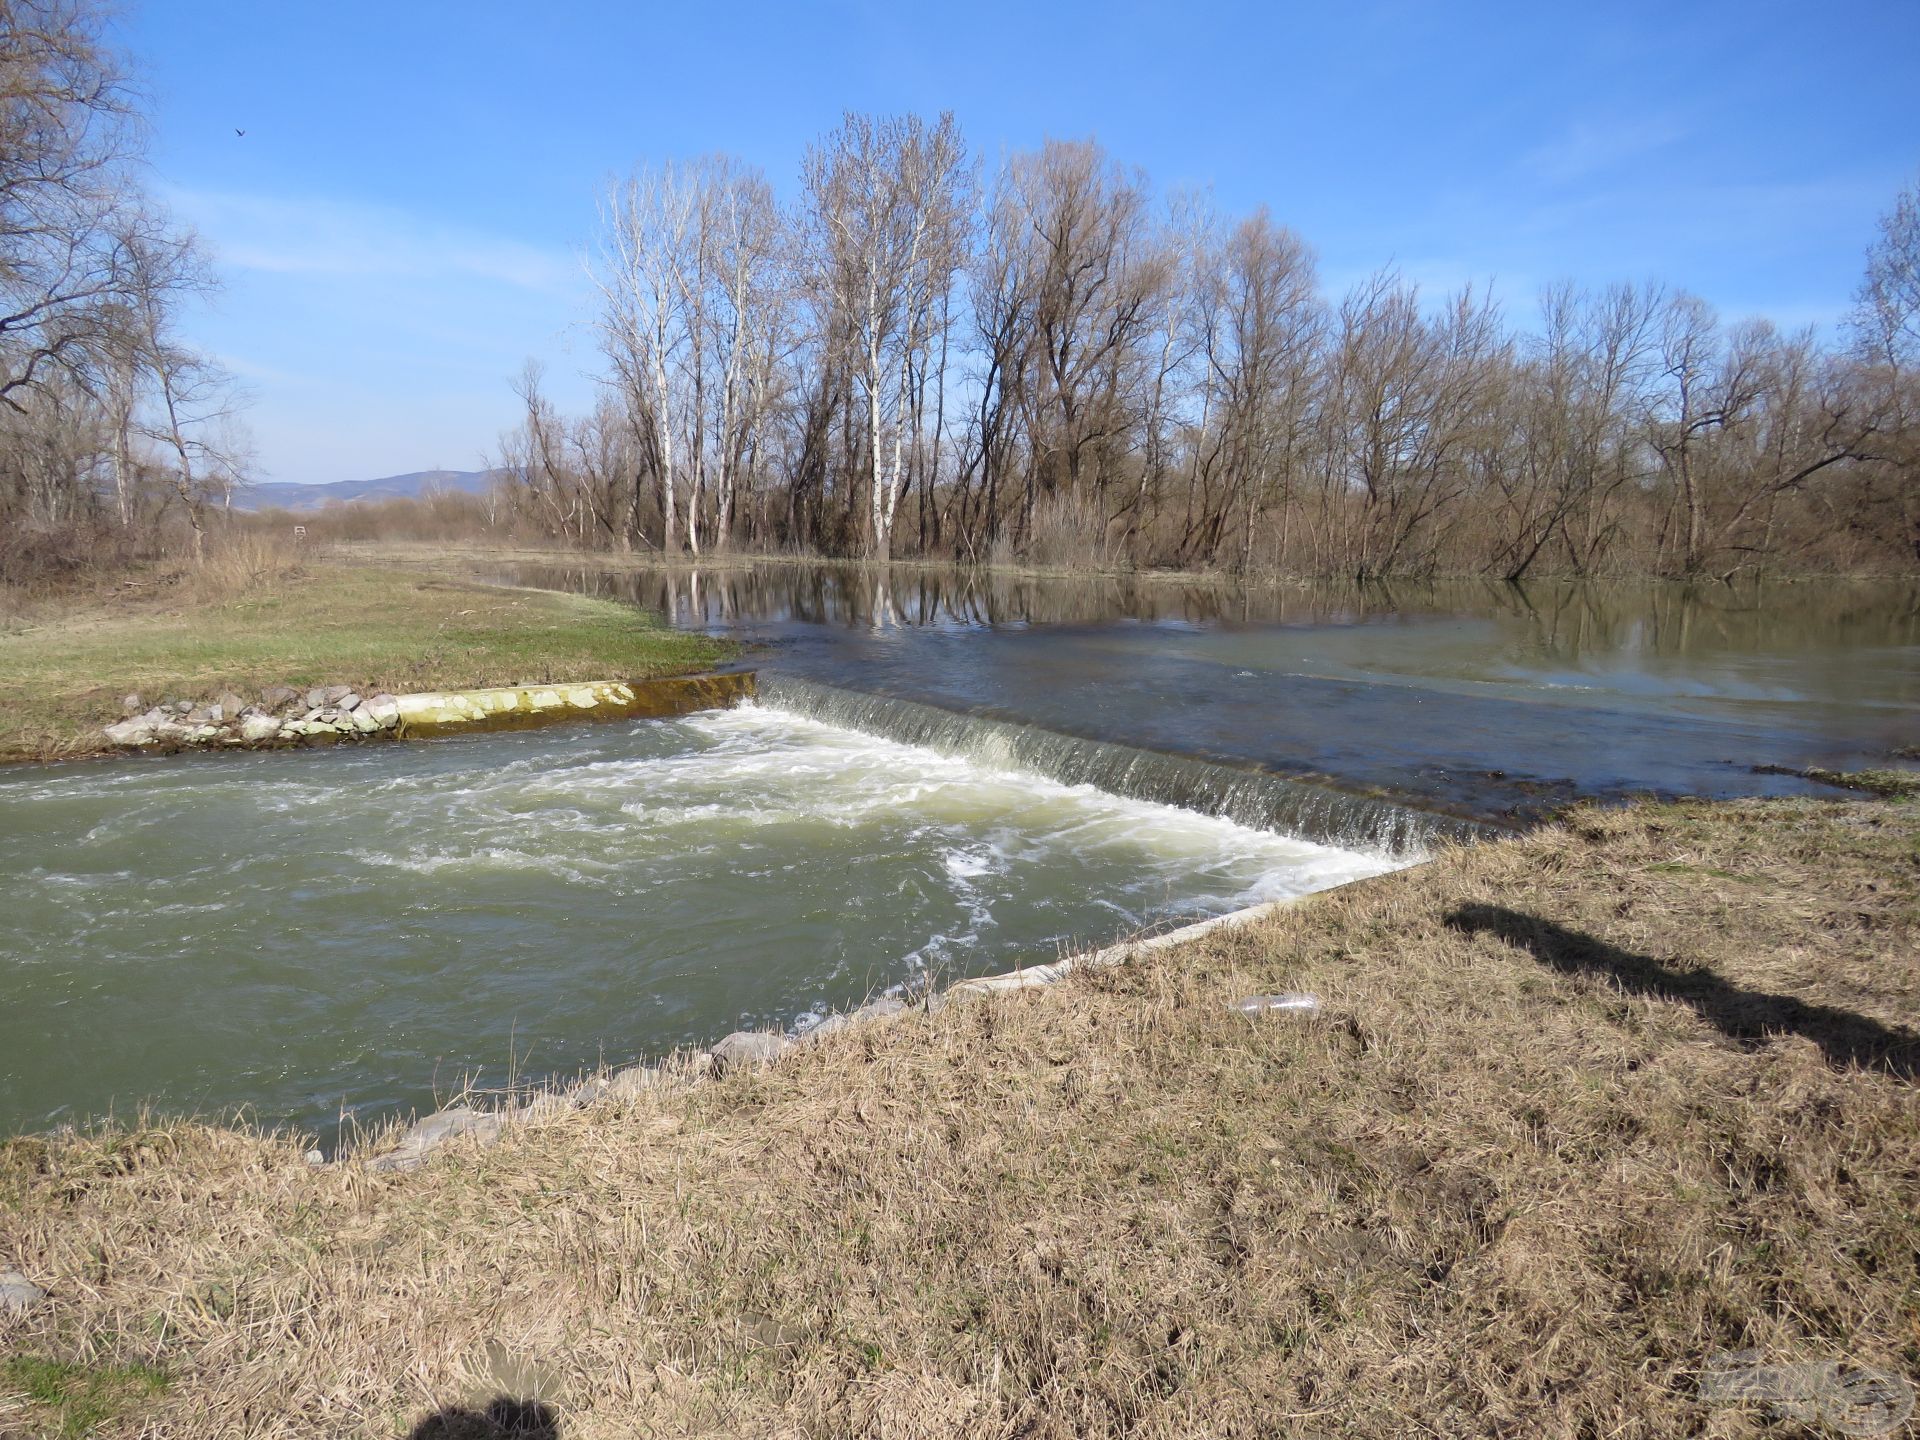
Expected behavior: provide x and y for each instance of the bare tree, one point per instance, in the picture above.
(193, 400)
(1100, 276)
(888, 206)
(1575, 414)
(743, 268)
(1145, 380)
(1886, 331)
(647, 228)
(1263, 352)
(691, 274)
(67, 197)
(93, 278)
(1886, 317)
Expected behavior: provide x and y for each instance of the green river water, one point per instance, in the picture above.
(347, 934)
(946, 775)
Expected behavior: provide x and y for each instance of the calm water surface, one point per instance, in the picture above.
(1478, 699)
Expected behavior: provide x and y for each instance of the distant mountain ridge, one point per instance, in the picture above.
(410, 486)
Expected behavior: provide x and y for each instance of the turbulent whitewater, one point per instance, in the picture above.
(1245, 796)
(333, 934)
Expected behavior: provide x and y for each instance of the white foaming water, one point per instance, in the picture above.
(302, 932)
(1029, 814)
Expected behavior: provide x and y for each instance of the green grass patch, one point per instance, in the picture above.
(71, 1401)
(375, 628)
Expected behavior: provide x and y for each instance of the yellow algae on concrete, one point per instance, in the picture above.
(516, 707)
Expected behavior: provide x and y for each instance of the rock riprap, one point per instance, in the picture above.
(18, 1294)
(280, 716)
(325, 713)
(743, 1050)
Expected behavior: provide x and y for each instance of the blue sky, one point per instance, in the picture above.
(401, 225)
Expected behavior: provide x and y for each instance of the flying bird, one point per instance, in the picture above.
(239, 132)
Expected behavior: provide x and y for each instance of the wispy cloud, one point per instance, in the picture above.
(373, 337)
(312, 236)
(1596, 147)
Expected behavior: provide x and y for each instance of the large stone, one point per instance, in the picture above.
(547, 1106)
(132, 705)
(202, 715)
(278, 697)
(1290, 1003)
(589, 1090)
(335, 694)
(231, 703)
(832, 1025)
(632, 1081)
(218, 714)
(18, 1294)
(131, 732)
(746, 1048)
(362, 721)
(255, 728)
(384, 710)
(316, 697)
(454, 1123)
(880, 1008)
(348, 701)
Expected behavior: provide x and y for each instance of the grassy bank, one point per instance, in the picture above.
(373, 626)
(1582, 1110)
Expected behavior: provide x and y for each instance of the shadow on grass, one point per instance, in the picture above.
(1746, 1015)
(503, 1419)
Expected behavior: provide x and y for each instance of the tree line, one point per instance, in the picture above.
(1039, 361)
(111, 427)
(1045, 362)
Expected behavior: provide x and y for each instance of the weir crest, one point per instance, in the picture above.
(1253, 798)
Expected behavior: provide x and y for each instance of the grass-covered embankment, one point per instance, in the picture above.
(374, 627)
(1582, 1110)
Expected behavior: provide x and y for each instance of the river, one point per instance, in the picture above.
(1491, 701)
(946, 775)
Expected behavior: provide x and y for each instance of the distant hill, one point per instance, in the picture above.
(410, 486)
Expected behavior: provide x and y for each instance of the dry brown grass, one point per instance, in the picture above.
(1582, 1109)
(239, 563)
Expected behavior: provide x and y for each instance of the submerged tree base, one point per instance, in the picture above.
(1581, 1114)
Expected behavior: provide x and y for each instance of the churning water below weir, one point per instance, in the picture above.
(358, 931)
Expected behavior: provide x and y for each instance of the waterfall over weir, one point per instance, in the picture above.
(1247, 797)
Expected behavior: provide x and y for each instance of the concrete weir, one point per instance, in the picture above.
(1251, 797)
(447, 712)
